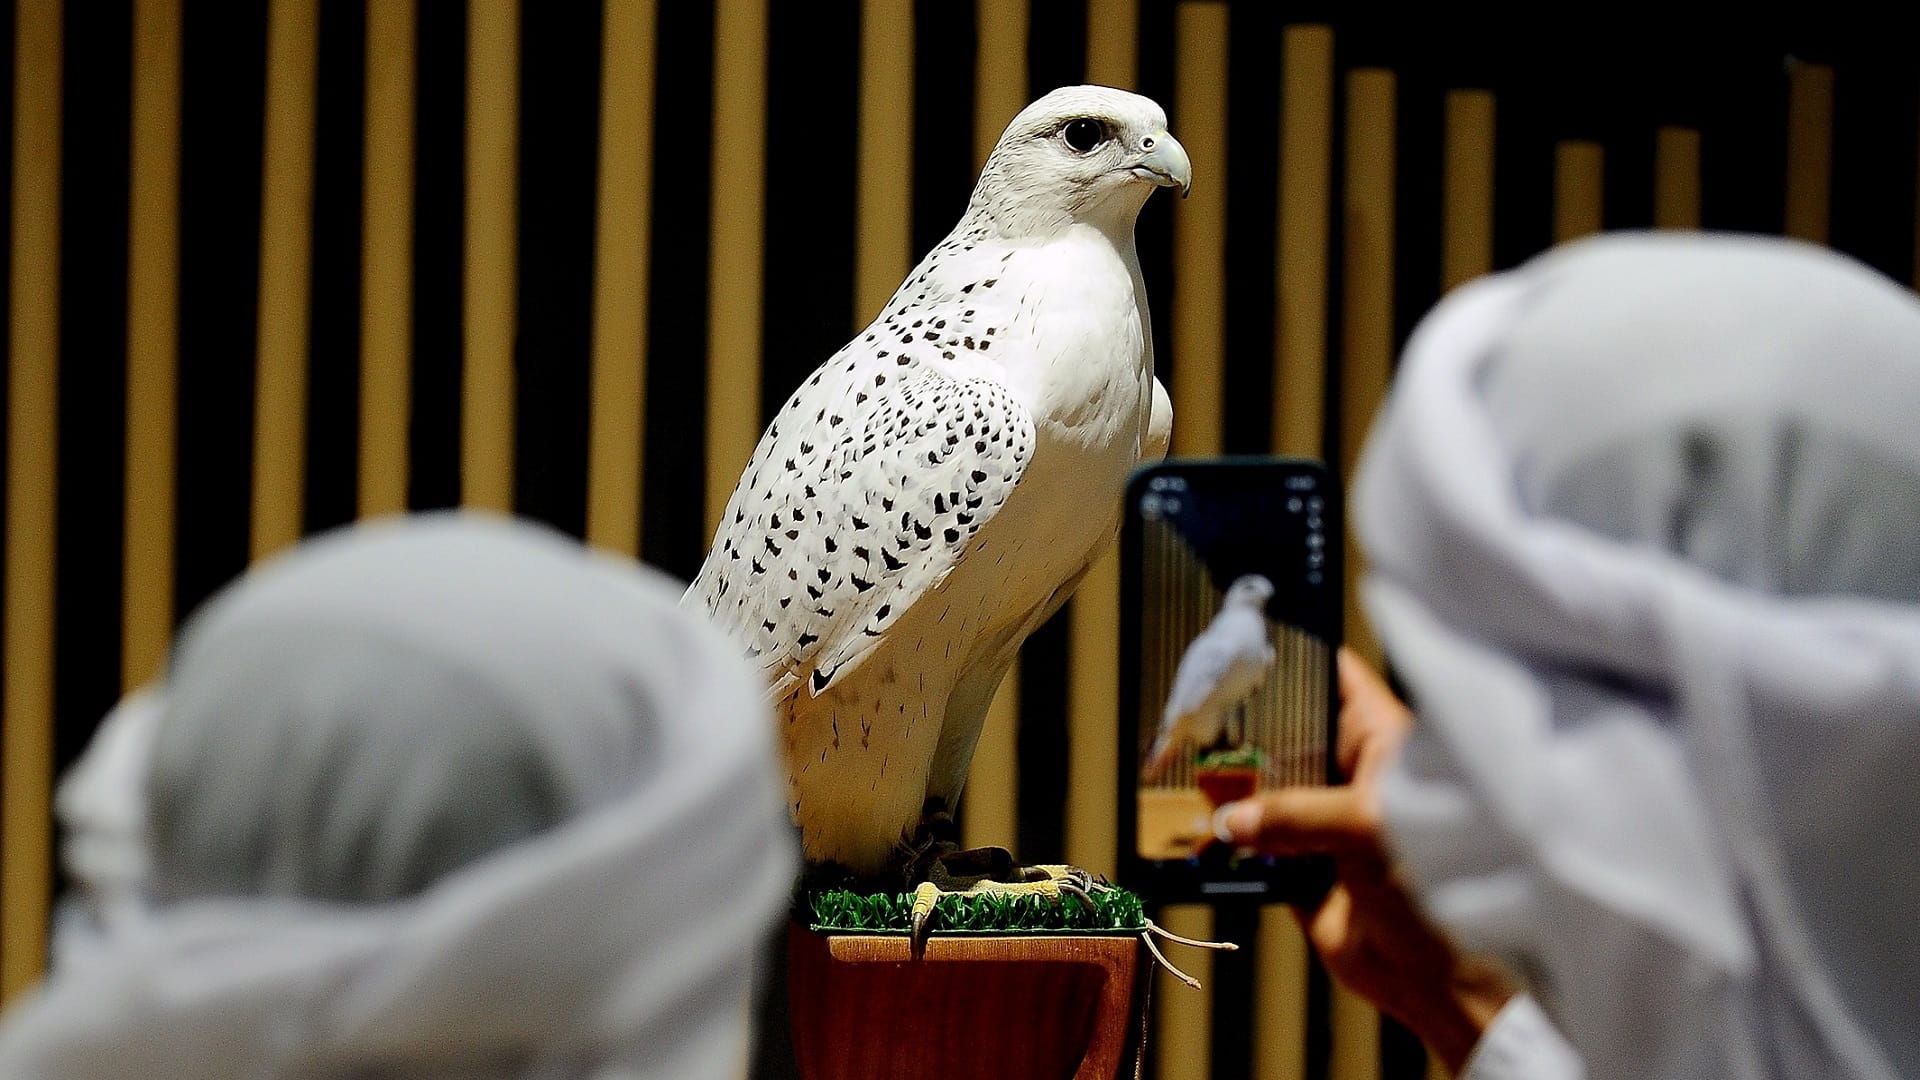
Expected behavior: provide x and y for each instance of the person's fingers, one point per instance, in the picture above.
(1302, 821)
(1329, 929)
(1370, 713)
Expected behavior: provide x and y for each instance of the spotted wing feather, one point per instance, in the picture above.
(865, 492)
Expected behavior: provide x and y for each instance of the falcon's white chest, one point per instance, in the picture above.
(1080, 359)
(1076, 350)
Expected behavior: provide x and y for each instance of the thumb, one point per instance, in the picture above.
(1301, 821)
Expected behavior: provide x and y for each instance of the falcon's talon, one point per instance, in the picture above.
(925, 899)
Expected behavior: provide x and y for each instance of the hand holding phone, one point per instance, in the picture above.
(1230, 620)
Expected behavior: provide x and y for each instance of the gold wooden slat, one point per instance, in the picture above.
(620, 278)
(1200, 230)
(1366, 343)
(486, 415)
(286, 243)
(1184, 1020)
(883, 237)
(1300, 309)
(1093, 664)
(1093, 709)
(1302, 255)
(993, 777)
(737, 268)
(153, 328)
(33, 399)
(1676, 178)
(1578, 175)
(1466, 224)
(1113, 42)
(1183, 1016)
(1809, 150)
(1280, 1049)
(1366, 326)
(1000, 74)
(386, 258)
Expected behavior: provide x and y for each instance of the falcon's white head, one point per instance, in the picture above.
(1249, 591)
(1081, 153)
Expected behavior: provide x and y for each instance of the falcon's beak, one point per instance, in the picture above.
(1164, 161)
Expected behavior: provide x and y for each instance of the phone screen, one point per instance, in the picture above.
(1231, 601)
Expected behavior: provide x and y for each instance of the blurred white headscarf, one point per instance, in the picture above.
(1643, 528)
(442, 797)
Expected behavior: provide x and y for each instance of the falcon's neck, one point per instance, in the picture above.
(1019, 208)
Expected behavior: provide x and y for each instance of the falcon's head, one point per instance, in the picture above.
(1084, 153)
(1249, 591)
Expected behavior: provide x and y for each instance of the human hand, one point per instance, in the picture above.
(1366, 929)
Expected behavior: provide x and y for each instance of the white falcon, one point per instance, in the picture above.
(1220, 668)
(937, 488)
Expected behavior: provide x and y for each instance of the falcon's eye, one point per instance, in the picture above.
(1084, 135)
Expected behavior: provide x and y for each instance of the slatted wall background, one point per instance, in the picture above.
(275, 266)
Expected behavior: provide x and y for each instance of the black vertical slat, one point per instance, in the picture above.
(1056, 46)
(1333, 367)
(1250, 186)
(1056, 56)
(1627, 195)
(1041, 748)
(1743, 144)
(1318, 1036)
(1522, 171)
(439, 234)
(333, 362)
(1626, 116)
(1235, 980)
(96, 120)
(559, 138)
(1153, 233)
(1419, 161)
(944, 41)
(673, 524)
(1319, 1051)
(813, 73)
(1874, 150)
(1402, 1055)
(222, 110)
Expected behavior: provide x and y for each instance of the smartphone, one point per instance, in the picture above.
(1230, 611)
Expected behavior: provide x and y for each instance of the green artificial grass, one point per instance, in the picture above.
(1244, 757)
(1114, 910)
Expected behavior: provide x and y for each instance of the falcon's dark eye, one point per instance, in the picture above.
(1084, 135)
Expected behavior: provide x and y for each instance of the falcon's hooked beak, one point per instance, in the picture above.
(1164, 161)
